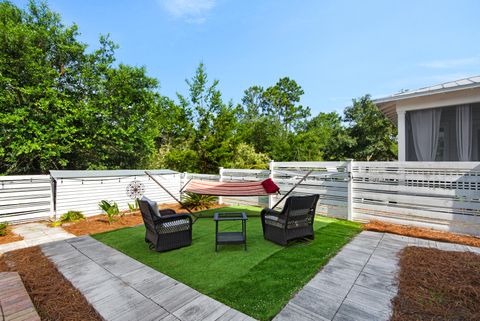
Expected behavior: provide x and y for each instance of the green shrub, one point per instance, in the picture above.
(72, 216)
(133, 207)
(198, 201)
(3, 229)
(111, 210)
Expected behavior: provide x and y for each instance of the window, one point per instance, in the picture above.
(443, 134)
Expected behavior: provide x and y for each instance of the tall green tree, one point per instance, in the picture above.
(271, 118)
(374, 135)
(214, 121)
(282, 101)
(323, 138)
(62, 107)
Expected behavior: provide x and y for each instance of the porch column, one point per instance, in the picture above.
(401, 135)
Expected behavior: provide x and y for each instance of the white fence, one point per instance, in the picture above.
(438, 195)
(84, 193)
(441, 195)
(27, 198)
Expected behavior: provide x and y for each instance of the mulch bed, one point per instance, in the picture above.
(53, 296)
(10, 237)
(424, 233)
(99, 223)
(437, 285)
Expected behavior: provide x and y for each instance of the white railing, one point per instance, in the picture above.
(443, 195)
(440, 195)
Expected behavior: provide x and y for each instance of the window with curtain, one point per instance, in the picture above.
(444, 134)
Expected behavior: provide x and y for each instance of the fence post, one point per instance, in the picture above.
(350, 190)
(220, 172)
(53, 198)
(271, 165)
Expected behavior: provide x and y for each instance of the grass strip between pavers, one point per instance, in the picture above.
(258, 282)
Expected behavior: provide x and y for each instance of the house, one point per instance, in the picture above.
(437, 123)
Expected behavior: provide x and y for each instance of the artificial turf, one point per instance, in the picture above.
(259, 281)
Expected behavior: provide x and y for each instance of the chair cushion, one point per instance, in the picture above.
(153, 207)
(274, 221)
(173, 226)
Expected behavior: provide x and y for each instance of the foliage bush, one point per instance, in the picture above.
(70, 216)
(3, 229)
(197, 201)
(111, 210)
(133, 207)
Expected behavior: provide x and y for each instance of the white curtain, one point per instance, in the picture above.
(425, 129)
(464, 132)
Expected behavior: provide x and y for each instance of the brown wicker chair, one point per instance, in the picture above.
(165, 230)
(294, 221)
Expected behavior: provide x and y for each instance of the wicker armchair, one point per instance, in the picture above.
(294, 221)
(165, 230)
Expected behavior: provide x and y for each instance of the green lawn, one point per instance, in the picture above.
(258, 282)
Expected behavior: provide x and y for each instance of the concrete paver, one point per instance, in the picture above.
(359, 282)
(121, 288)
(35, 234)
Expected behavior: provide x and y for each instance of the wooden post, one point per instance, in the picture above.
(350, 190)
(220, 172)
(271, 166)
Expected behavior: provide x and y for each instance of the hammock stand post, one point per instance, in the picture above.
(173, 196)
(291, 190)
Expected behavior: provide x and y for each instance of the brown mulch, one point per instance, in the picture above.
(53, 296)
(437, 285)
(10, 237)
(99, 223)
(424, 233)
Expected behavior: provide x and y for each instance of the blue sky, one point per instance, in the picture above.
(336, 50)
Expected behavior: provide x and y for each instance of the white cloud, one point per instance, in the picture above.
(451, 63)
(191, 11)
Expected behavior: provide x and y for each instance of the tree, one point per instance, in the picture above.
(281, 101)
(62, 107)
(374, 134)
(324, 138)
(271, 118)
(214, 122)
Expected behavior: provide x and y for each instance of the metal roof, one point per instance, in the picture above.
(388, 104)
(58, 174)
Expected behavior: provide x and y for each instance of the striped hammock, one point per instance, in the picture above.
(226, 188)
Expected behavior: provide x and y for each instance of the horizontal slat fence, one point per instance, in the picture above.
(24, 198)
(440, 195)
(84, 194)
(328, 179)
(444, 196)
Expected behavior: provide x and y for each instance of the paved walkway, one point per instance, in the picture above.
(35, 234)
(121, 288)
(359, 282)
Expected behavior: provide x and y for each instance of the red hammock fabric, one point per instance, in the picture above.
(227, 188)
